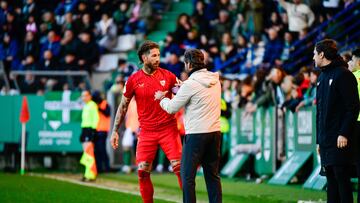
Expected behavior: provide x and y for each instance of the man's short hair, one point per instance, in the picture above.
(145, 48)
(194, 56)
(328, 47)
(356, 53)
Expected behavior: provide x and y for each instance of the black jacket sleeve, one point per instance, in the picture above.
(347, 85)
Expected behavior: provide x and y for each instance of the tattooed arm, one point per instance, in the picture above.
(119, 118)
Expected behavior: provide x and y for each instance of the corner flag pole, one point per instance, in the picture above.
(24, 118)
(22, 170)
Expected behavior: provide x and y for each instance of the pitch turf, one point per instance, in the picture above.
(14, 188)
(233, 191)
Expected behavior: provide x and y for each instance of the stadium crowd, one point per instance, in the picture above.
(73, 34)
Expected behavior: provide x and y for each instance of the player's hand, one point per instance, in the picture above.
(159, 95)
(114, 140)
(175, 89)
(342, 142)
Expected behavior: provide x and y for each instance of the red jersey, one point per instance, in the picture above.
(143, 87)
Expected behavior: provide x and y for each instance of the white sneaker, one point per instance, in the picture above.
(159, 168)
(126, 169)
(170, 169)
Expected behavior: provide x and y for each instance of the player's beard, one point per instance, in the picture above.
(152, 67)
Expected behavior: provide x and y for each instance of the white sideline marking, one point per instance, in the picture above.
(69, 180)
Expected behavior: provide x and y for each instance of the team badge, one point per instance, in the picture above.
(162, 82)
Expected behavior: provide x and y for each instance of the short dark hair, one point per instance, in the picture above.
(145, 48)
(195, 57)
(328, 47)
(356, 53)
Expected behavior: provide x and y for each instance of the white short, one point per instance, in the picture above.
(128, 138)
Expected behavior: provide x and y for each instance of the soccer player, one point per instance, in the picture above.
(156, 126)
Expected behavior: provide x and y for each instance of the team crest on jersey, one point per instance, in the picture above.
(162, 82)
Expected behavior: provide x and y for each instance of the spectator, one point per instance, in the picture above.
(310, 94)
(271, 95)
(106, 32)
(65, 6)
(29, 8)
(69, 44)
(52, 44)
(69, 23)
(49, 23)
(101, 7)
(170, 46)
(120, 17)
(48, 62)
(86, 23)
(9, 53)
(174, 65)
(30, 46)
(223, 25)
(254, 55)
(227, 51)
(253, 16)
(273, 49)
(4, 9)
(88, 52)
(124, 69)
(82, 9)
(299, 14)
(31, 85)
(69, 62)
(31, 25)
(183, 26)
(12, 26)
(139, 15)
(288, 48)
(192, 40)
(29, 63)
(201, 18)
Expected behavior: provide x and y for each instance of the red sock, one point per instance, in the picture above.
(146, 186)
(176, 170)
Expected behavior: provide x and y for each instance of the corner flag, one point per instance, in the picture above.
(24, 113)
(24, 118)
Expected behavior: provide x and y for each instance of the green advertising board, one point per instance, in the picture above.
(246, 135)
(306, 130)
(265, 161)
(235, 130)
(43, 134)
(315, 181)
(290, 133)
(300, 144)
(234, 165)
(240, 133)
(289, 169)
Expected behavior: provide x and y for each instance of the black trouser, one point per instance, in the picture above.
(338, 184)
(357, 156)
(101, 156)
(201, 149)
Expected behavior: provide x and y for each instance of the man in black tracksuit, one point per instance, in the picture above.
(337, 110)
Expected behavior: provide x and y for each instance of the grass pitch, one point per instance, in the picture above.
(14, 188)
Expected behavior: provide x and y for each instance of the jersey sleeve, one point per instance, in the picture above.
(173, 79)
(129, 88)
